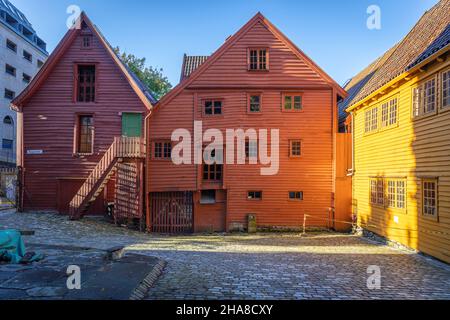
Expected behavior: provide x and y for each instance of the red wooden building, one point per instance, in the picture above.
(257, 79)
(80, 130)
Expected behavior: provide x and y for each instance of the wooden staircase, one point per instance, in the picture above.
(123, 148)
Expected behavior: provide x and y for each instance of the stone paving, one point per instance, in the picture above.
(263, 266)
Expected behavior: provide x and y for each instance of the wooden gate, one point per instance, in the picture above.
(172, 212)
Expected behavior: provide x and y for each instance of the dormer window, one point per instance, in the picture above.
(258, 59)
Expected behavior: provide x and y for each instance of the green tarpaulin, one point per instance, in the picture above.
(12, 248)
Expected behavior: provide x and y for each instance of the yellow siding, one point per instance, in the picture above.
(414, 149)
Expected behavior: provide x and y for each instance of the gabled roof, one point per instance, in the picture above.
(354, 86)
(142, 92)
(258, 18)
(428, 36)
(190, 64)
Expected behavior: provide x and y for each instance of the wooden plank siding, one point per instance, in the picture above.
(227, 78)
(412, 150)
(50, 116)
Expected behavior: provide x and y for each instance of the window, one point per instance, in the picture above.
(258, 59)
(26, 78)
(296, 195)
(295, 149)
(396, 194)
(371, 120)
(208, 197)
(377, 191)
(293, 103)
(11, 45)
(162, 150)
(9, 94)
(446, 89)
(86, 83)
(85, 134)
(429, 197)
(254, 103)
(27, 56)
(7, 144)
(40, 63)
(251, 149)
(254, 195)
(212, 172)
(10, 70)
(389, 113)
(425, 98)
(212, 107)
(8, 120)
(87, 42)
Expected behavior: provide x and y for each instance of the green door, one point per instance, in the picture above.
(132, 124)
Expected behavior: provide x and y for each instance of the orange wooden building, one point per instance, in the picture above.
(80, 130)
(258, 79)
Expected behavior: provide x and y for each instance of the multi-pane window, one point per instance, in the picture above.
(26, 78)
(371, 120)
(9, 94)
(254, 103)
(7, 144)
(213, 107)
(254, 195)
(377, 191)
(85, 134)
(389, 113)
(251, 149)
(86, 83)
(27, 56)
(296, 195)
(425, 98)
(293, 102)
(446, 89)
(396, 193)
(10, 70)
(295, 149)
(212, 172)
(162, 150)
(87, 41)
(11, 45)
(258, 59)
(429, 197)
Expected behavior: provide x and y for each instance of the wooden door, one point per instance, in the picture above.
(172, 212)
(131, 124)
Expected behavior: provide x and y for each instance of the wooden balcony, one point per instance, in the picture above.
(121, 149)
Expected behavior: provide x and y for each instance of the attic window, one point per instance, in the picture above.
(258, 59)
(87, 42)
(86, 83)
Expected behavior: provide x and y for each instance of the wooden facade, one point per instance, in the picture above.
(227, 77)
(49, 110)
(401, 182)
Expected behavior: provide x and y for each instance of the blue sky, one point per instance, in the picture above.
(333, 33)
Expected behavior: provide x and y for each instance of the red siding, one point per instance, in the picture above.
(228, 79)
(49, 119)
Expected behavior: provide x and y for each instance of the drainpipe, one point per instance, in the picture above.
(146, 169)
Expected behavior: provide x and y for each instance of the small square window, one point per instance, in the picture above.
(254, 103)
(87, 42)
(212, 107)
(26, 78)
(258, 59)
(27, 56)
(295, 148)
(292, 103)
(10, 70)
(254, 195)
(9, 94)
(11, 45)
(162, 150)
(208, 197)
(296, 195)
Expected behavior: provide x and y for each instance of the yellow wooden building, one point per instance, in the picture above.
(400, 122)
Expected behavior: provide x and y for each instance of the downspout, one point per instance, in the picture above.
(146, 171)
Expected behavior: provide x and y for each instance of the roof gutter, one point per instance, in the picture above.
(397, 79)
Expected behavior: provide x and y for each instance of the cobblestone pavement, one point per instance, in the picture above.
(263, 266)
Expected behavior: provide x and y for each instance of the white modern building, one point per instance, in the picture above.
(22, 53)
